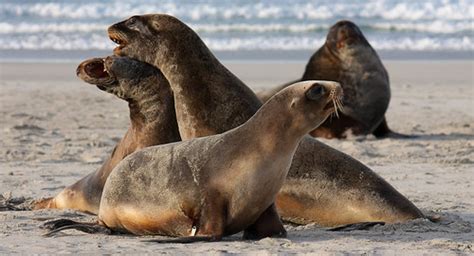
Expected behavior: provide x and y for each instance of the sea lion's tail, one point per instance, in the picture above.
(357, 226)
(56, 226)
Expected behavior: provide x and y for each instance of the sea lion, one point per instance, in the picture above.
(221, 184)
(347, 57)
(152, 117)
(325, 186)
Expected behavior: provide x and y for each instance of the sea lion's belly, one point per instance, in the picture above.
(144, 196)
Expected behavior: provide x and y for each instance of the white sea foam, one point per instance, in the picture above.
(440, 27)
(391, 10)
(309, 43)
(244, 24)
(24, 27)
(100, 42)
(437, 26)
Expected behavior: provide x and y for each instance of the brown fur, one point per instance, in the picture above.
(213, 183)
(209, 99)
(348, 58)
(152, 117)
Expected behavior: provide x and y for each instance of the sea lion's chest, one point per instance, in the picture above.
(252, 190)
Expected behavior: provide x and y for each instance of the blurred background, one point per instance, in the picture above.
(244, 29)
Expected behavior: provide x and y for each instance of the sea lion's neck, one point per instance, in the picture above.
(209, 98)
(274, 129)
(189, 70)
(152, 116)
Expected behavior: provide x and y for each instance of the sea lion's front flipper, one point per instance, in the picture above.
(383, 131)
(267, 225)
(357, 226)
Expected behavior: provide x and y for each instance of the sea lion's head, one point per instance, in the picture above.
(154, 37)
(311, 102)
(345, 37)
(121, 76)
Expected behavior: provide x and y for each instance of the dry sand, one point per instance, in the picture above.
(54, 129)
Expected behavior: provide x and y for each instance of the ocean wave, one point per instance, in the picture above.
(26, 27)
(311, 43)
(436, 27)
(189, 10)
(100, 42)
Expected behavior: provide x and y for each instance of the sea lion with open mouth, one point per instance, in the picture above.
(152, 116)
(324, 185)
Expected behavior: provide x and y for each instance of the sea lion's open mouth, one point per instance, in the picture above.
(96, 69)
(118, 39)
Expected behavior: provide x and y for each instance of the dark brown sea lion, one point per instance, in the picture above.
(324, 186)
(152, 116)
(347, 57)
(221, 184)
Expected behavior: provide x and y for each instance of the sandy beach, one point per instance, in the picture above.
(54, 129)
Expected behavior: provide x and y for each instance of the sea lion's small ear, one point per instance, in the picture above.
(155, 22)
(315, 92)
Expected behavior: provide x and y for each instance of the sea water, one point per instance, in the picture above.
(64, 28)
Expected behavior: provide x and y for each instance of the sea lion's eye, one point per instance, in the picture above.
(315, 92)
(132, 22)
(318, 90)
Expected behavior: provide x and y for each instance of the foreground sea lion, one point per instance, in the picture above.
(323, 186)
(347, 57)
(221, 184)
(152, 116)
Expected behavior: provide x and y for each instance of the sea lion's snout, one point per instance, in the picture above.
(344, 33)
(117, 36)
(335, 98)
(319, 89)
(330, 93)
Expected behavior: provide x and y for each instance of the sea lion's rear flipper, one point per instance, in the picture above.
(55, 224)
(357, 226)
(383, 131)
(63, 224)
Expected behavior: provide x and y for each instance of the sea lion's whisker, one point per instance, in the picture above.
(339, 104)
(335, 107)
